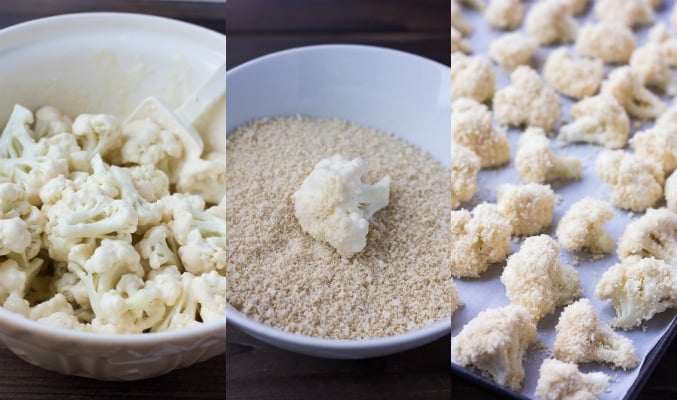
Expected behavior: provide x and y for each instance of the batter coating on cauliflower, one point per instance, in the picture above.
(624, 84)
(527, 101)
(504, 14)
(573, 77)
(613, 42)
(472, 126)
(628, 12)
(513, 49)
(537, 163)
(671, 192)
(636, 183)
(597, 120)
(582, 227)
(563, 381)
(537, 280)
(658, 144)
(529, 207)
(478, 242)
(583, 337)
(464, 168)
(472, 77)
(652, 68)
(494, 343)
(551, 22)
(333, 205)
(652, 235)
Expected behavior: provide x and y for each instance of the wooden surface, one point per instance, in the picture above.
(19, 380)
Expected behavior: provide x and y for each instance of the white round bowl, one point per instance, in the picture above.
(384, 89)
(106, 62)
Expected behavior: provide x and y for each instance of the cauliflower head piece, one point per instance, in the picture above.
(671, 192)
(471, 77)
(600, 120)
(561, 381)
(658, 144)
(624, 84)
(513, 49)
(464, 168)
(504, 14)
(609, 41)
(536, 162)
(551, 22)
(472, 126)
(628, 12)
(582, 227)
(529, 208)
(636, 183)
(573, 77)
(652, 235)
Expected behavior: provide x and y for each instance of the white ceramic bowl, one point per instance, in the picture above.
(381, 88)
(106, 62)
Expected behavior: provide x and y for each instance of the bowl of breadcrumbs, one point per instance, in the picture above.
(289, 114)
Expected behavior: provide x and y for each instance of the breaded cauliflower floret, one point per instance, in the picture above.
(527, 101)
(652, 68)
(472, 77)
(472, 126)
(577, 7)
(458, 21)
(639, 288)
(628, 12)
(652, 235)
(611, 41)
(583, 337)
(494, 343)
(658, 144)
(597, 120)
(529, 207)
(513, 49)
(537, 280)
(668, 43)
(671, 192)
(563, 381)
(582, 227)
(551, 22)
(636, 183)
(464, 168)
(504, 14)
(476, 4)
(537, 163)
(573, 77)
(458, 45)
(624, 84)
(479, 241)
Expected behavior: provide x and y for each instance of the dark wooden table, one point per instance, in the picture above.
(19, 380)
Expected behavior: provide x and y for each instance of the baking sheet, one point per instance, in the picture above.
(489, 292)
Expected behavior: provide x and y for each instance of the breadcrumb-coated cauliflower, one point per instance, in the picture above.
(582, 227)
(458, 45)
(504, 14)
(478, 241)
(536, 162)
(551, 22)
(652, 235)
(597, 120)
(472, 126)
(624, 84)
(628, 12)
(658, 144)
(613, 42)
(529, 207)
(464, 168)
(573, 77)
(527, 101)
(476, 4)
(652, 68)
(671, 192)
(636, 183)
(513, 49)
(537, 280)
(667, 41)
(494, 343)
(639, 288)
(472, 77)
(577, 7)
(458, 21)
(583, 337)
(563, 381)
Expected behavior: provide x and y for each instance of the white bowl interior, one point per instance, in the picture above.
(384, 89)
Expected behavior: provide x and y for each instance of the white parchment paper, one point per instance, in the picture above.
(489, 292)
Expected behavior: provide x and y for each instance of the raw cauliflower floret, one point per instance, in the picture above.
(639, 288)
(50, 121)
(458, 44)
(334, 206)
(652, 235)
(613, 42)
(573, 77)
(671, 192)
(527, 101)
(464, 168)
(472, 77)
(505, 14)
(478, 241)
(658, 144)
(537, 280)
(472, 126)
(537, 163)
(551, 22)
(513, 49)
(529, 207)
(582, 227)
(98, 134)
(494, 343)
(204, 176)
(668, 43)
(563, 381)
(624, 84)
(583, 337)
(458, 21)
(636, 183)
(598, 120)
(652, 68)
(628, 12)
